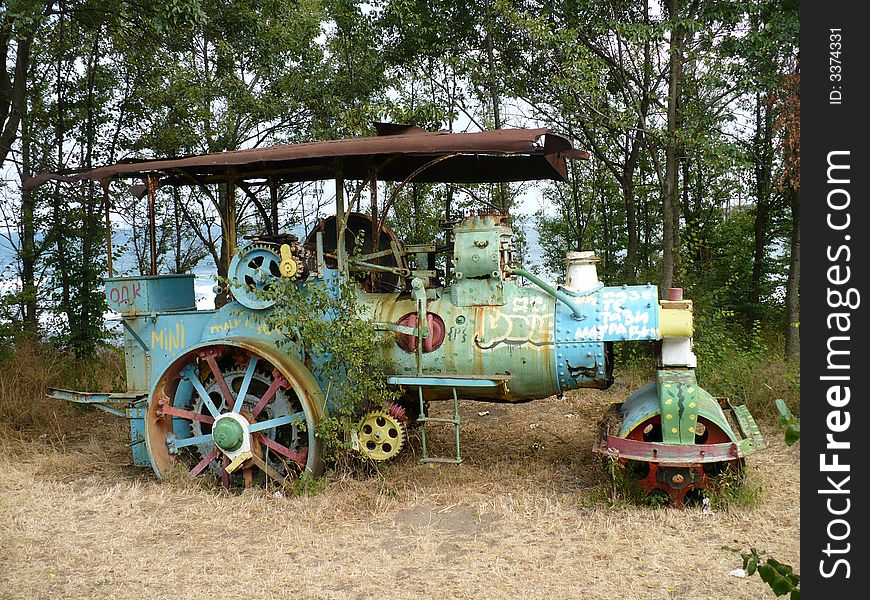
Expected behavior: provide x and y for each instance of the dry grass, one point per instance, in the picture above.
(522, 516)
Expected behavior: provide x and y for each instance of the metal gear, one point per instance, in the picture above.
(381, 435)
(254, 268)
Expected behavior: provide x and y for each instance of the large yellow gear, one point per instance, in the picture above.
(381, 435)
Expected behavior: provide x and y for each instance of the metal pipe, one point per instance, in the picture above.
(564, 298)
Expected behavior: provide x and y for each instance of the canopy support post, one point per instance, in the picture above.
(152, 221)
(340, 225)
(273, 203)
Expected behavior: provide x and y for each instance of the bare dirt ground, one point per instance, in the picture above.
(524, 516)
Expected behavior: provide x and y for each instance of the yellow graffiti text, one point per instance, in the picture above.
(168, 339)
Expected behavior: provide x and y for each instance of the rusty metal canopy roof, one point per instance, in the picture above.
(397, 153)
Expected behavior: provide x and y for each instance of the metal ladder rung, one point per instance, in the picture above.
(455, 421)
(450, 461)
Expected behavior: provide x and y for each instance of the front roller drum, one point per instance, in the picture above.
(634, 434)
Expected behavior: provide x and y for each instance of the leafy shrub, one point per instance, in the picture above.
(342, 348)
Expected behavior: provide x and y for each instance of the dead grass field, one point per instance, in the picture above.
(523, 516)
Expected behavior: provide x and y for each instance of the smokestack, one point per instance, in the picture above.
(581, 274)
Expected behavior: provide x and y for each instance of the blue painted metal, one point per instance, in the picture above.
(176, 444)
(147, 295)
(297, 417)
(637, 408)
(136, 417)
(608, 314)
(246, 383)
(451, 382)
(611, 314)
(190, 374)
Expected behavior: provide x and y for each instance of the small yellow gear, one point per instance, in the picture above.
(381, 435)
(288, 266)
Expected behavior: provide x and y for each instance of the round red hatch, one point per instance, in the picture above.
(408, 343)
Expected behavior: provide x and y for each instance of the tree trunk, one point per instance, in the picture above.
(670, 191)
(28, 236)
(793, 283)
(503, 200)
(628, 180)
(763, 165)
(61, 262)
(13, 92)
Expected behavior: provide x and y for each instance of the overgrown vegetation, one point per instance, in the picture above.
(326, 328)
(30, 368)
(732, 489)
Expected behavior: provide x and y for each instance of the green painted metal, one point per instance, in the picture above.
(228, 434)
(424, 420)
(558, 295)
(478, 245)
(674, 393)
(514, 338)
(748, 427)
(680, 398)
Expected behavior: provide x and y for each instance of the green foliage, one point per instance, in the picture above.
(791, 423)
(623, 488)
(304, 485)
(731, 489)
(745, 367)
(326, 327)
(779, 576)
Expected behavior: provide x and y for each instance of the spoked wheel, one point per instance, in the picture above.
(235, 412)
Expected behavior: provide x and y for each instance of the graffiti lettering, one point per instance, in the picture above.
(168, 339)
(126, 293)
(615, 330)
(457, 334)
(247, 322)
(497, 328)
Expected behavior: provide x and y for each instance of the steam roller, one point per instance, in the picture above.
(220, 394)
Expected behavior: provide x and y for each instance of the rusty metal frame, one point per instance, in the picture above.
(683, 454)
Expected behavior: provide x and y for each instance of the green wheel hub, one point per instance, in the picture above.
(228, 434)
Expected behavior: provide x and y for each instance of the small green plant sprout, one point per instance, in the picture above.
(779, 576)
(791, 423)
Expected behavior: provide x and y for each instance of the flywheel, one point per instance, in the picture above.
(251, 271)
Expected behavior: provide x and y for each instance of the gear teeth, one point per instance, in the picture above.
(397, 411)
(381, 435)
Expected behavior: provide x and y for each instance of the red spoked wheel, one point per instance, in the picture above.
(235, 412)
